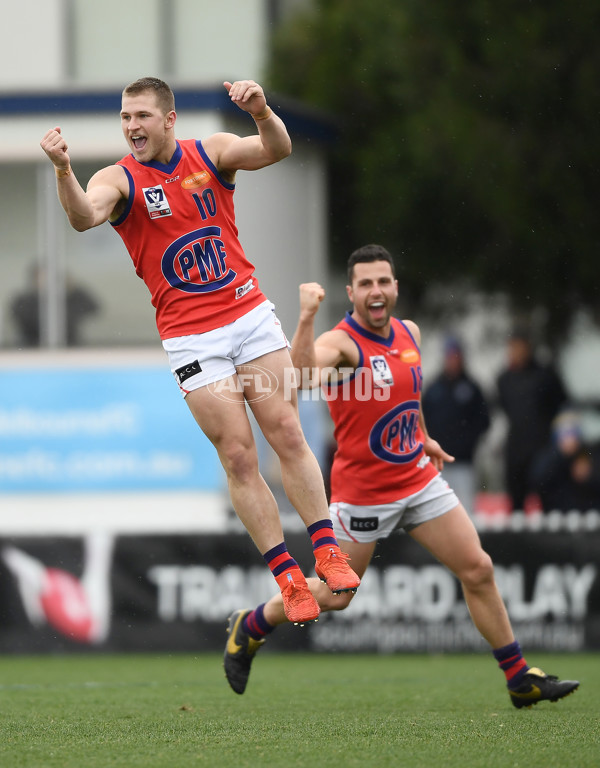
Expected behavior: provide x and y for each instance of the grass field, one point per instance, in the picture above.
(299, 711)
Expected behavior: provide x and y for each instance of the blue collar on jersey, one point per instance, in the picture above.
(168, 167)
(368, 335)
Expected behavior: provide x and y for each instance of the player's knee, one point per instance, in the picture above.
(287, 437)
(239, 461)
(478, 573)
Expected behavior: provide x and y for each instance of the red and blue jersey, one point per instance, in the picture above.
(375, 411)
(179, 229)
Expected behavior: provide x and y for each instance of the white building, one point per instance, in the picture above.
(65, 63)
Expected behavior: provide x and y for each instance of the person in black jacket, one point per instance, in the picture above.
(566, 473)
(457, 413)
(531, 395)
(25, 307)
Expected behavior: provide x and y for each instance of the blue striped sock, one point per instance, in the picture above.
(511, 662)
(279, 559)
(255, 623)
(321, 534)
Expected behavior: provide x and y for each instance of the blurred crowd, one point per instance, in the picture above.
(548, 463)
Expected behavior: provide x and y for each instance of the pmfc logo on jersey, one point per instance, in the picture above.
(394, 436)
(196, 262)
(156, 201)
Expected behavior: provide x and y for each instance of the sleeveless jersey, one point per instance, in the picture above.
(379, 456)
(179, 228)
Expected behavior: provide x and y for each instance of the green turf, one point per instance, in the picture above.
(298, 711)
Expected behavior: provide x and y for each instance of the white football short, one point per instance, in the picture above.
(204, 358)
(367, 524)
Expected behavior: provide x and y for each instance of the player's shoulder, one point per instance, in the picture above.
(339, 340)
(111, 175)
(412, 328)
(114, 171)
(216, 142)
(335, 337)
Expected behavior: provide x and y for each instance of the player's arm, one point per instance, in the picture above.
(106, 189)
(431, 447)
(316, 358)
(231, 153)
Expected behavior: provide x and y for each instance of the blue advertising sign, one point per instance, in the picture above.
(96, 429)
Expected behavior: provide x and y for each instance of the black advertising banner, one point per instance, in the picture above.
(175, 592)
(550, 583)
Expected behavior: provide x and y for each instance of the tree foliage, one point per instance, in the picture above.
(467, 138)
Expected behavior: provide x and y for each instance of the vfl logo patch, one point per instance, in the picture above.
(196, 262)
(156, 202)
(382, 376)
(364, 523)
(187, 371)
(393, 437)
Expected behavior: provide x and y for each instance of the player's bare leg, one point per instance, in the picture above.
(225, 422)
(452, 538)
(277, 416)
(278, 419)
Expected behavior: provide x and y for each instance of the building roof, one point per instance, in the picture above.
(299, 118)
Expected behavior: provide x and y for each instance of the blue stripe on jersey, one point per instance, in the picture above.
(213, 168)
(125, 213)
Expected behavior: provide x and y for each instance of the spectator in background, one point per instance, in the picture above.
(530, 394)
(566, 473)
(25, 309)
(457, 413)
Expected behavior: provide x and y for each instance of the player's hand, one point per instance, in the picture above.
(311, 296)
(247, 95)
(437, 454)
(56, 148)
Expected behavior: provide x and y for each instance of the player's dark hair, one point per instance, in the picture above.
(163, 93)
(367, 254)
